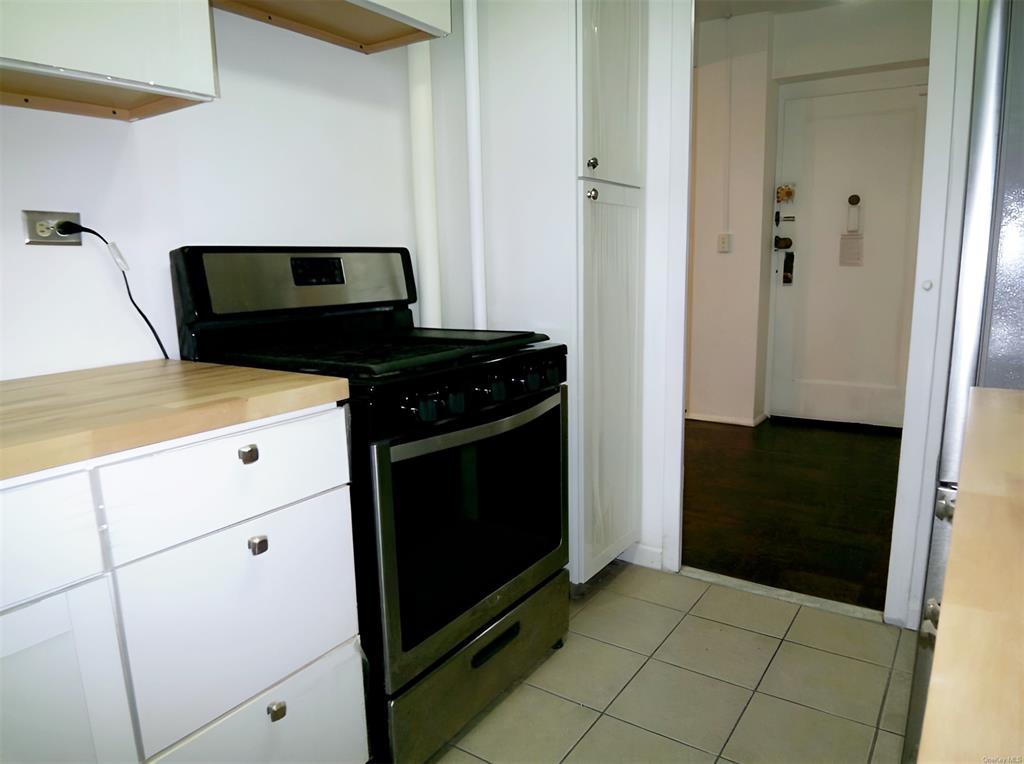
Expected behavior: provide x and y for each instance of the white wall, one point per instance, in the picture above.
(449, 82)
(308, 144)
(851, 37)
(733, 168)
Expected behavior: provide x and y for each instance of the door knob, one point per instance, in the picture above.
(258, 545)
(277, 710)
(592, 194)
(249, 454)
(592, 163)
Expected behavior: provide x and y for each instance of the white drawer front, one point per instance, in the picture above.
(324, 720)
(209, 625)
(48, 537)
(154, 502)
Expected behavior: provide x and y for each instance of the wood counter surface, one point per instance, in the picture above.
(62, 418)
(975, 706)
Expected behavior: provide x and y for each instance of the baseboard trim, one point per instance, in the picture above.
(744, 421)
(641, 554)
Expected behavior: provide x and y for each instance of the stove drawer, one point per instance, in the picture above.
(49, 537)
(320, 717)
(212, 623)
(156, 501)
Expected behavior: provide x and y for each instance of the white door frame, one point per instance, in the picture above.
(852, 83)
(951, 65)
(666, 227)
(947, 133)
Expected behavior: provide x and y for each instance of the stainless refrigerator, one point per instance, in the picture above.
(988, 337)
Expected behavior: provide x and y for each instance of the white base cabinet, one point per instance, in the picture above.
(157, 601)
(62, 688)
(323, 720)
(209, 624)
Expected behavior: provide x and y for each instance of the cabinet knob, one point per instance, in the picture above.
(592, 163)
(592, 194)
(931, 611)
(258, 545)
(249, 454)
(277, 710)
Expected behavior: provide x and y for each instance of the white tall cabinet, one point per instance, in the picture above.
(560, 261)
(612, 58)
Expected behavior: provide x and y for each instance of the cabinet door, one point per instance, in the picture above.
(164, 43)
(612, 82)
(62, 688)
(611, 265)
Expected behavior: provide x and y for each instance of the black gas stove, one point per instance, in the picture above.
(459, 480)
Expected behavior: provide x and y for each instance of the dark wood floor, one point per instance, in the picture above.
(800, 505)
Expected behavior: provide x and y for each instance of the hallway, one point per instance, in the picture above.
(795, 504)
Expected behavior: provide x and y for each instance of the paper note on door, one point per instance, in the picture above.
(851, 249)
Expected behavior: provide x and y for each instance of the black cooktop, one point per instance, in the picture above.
(381, 355)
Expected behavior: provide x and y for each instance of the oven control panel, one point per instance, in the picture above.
(431, 399)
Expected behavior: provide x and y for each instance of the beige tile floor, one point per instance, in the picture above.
(667, 668)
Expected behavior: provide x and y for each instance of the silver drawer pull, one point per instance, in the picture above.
(277, 710)
(258, 545)
(249, 454)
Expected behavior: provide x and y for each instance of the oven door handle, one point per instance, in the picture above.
(425, 446)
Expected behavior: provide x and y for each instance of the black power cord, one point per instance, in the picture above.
(66, 227)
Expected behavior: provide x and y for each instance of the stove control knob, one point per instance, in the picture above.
(457, 402)
(532, 380)
(495, 390)
(551, 374)
(431, 407)
(410, 407)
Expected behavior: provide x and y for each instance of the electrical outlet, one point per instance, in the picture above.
(40, 228)
(724, 242)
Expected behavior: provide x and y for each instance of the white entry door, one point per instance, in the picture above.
(841, 303)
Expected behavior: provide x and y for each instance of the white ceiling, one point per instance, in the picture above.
(723, 9)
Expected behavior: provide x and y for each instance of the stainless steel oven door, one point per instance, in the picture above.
(468, 522)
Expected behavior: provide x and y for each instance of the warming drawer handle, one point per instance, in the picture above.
(495, 646)
(277, 710)
(249, 454)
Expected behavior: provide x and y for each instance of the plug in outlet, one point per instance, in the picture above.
(40, 228)
(724, 242)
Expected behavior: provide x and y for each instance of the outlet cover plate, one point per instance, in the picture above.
(39, 228)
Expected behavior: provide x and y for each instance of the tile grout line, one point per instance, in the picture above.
(647, 659)
(753, 692)
(885, 695)
(743, 628)
(881, 711)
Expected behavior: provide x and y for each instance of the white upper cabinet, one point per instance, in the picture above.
(111, 58)
(612, 90)
(367, 26)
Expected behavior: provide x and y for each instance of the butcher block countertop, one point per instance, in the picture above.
(62, 418)
(975, 706)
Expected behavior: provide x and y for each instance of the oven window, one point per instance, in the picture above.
(471, 518)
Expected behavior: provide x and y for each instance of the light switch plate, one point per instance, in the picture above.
(724, 242)
(39, 228)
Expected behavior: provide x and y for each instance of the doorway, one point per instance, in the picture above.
(806, 194)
